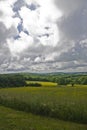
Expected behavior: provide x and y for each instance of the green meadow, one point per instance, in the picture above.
(68, 104)
(17, 120)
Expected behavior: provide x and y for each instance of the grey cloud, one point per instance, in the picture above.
(73, 23)
(74, 27)
(6, 33)
(76, 53)
(69, 6)
(5, 55)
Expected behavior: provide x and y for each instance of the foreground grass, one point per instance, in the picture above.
(66, 103)
(16, 120)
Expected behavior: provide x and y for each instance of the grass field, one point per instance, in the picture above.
(44, 84)
(66, 103)
(15, 120)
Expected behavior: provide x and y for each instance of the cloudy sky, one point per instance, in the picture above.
(43, 35)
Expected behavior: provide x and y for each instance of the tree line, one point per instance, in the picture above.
(19, 80)
(61, 79)
(10, 80)
(82, 80)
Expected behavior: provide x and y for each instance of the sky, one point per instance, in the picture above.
(43, 36)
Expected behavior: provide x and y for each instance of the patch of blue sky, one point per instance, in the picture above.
(17, 37)
(25, 31)
(32, 6)
(20, 27)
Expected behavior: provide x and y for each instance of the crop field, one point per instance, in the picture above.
(44, 84)
(65, 103)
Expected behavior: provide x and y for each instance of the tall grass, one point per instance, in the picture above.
(62, 103)
(17, 120)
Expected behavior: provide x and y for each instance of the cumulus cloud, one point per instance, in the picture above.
(41, 24)
(43, 35)
(7, 14)
(19, 45)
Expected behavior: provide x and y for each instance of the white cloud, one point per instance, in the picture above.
(7, 14)
(83, 43)
(37, 60)
(51, 57)
(26, 59)
(19, 45)
(36, 21)
(48, 11)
